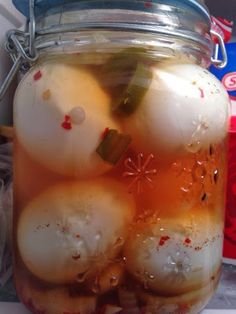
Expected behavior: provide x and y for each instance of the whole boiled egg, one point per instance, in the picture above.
(184, 109)
(188, 303)
(74, 230)
(60, 114)
(175, 256)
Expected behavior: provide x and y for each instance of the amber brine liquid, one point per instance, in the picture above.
(113, 211)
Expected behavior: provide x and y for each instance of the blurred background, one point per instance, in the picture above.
(225, 9)
(9, 18)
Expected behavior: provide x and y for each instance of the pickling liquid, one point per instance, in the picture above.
(105, 222)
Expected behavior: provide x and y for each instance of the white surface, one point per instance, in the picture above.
(229, 261)
(16, 308)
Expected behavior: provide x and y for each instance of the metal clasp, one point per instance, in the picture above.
(219, 63)
(21, 47)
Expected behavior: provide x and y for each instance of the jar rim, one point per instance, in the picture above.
(41, 6)
(185, 21)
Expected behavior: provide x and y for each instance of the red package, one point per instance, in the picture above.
(230, 223)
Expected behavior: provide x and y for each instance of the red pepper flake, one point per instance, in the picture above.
(66, 124)
(148, 4)
(187, 241)
(105, 132)
(163, 240)
(37, 76)
(201, 92)
(77, 235)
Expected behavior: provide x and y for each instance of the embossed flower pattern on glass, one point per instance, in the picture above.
(141, 173)
(178, 266)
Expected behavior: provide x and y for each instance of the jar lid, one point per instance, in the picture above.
(183, 20)
(42, 6)
(181, 25)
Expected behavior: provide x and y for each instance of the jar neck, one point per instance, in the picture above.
(167, 30)
(157, 46)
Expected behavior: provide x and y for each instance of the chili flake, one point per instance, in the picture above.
(37, 76)
(187, 241)
(66, 124)
(105, 132)
(163, 240)
(201, 92)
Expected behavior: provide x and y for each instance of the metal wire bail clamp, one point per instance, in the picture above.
(219, 63)
(21, 47)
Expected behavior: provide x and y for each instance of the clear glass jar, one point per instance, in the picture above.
(120, 141)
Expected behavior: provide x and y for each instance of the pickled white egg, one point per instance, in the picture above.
(192, 302)
(74, 230)
(184, 109)
(60, 115)
(175, 256)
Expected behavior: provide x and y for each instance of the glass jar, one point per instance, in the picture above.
(120, 141)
